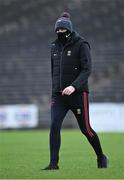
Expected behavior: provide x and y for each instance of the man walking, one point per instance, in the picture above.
(71, 67)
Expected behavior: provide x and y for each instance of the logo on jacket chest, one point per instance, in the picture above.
(68, 53)
(55, 54)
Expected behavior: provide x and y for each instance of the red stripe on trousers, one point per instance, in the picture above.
(87, 114)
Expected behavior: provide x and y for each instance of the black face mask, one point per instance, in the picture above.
(63, 37)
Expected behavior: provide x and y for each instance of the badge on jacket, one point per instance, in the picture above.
(78, 111)
(69, 53)
(54, 54)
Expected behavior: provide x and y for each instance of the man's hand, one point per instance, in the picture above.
(68, 90)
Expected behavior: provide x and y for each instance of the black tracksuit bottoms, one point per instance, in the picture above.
(79, 105)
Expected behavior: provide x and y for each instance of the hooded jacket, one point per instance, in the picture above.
(70, 64)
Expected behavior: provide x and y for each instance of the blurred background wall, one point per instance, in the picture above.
(26, 33)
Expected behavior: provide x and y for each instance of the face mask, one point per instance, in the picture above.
(63, 36)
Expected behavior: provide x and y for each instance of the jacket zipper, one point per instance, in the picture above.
(61, 66)
(60, 70)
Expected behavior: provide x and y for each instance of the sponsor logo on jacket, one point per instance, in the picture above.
(69, 53)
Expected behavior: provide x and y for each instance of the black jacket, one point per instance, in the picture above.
(71, 64)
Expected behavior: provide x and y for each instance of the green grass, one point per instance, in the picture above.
(23, 153)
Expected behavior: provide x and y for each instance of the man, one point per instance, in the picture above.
(71, 67)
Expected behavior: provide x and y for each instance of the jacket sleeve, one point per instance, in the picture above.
(85, 60)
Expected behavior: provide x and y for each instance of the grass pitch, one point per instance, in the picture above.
(24, 153)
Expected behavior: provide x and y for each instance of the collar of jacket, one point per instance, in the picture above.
(74, 37)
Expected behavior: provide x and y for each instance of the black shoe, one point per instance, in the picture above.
(51, 167)
(102, 162)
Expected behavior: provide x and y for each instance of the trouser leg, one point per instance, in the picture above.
(80, 108)
(58, 112)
